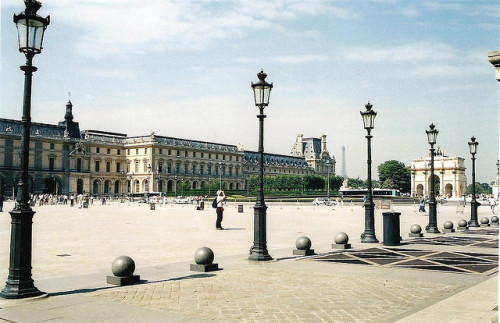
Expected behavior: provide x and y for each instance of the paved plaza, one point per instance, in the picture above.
(441, 277)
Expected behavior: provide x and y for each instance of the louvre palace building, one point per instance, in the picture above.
(66, 160)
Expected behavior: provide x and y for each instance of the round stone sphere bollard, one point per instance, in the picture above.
(494, 220)
(462, 223)
(448, 225)
(341, 238)
(485, 221)
(341, 241)
(415, 228)
(123, 266)
(204, 256)
(303, 243)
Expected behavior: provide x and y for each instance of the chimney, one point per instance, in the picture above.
(323, 144)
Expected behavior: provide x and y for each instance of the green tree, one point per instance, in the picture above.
(355, 183)
(481, 188)
(394, 174)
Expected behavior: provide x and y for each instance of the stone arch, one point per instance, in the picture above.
(420, 190)
(448, 190)
(79, 186)
(53, 185)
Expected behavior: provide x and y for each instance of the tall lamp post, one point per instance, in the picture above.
(474, 203)
(19, 284)
(123, 183)
(220, 176)
(158, 178)
(328, 163)
(258, 252)
(432, 226)
(369, 235)
(209, 184)
(130, 180)
(498, 180)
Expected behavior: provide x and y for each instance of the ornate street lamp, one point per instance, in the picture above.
(474, 203)
(432, 226)
(19, 284)
(258, 251)
(368, 236)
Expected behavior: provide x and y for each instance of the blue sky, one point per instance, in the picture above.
(183, 69)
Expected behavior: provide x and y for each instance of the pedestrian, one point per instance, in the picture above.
(422, 204)
(72, 200)
(221, 198)
(492, 204)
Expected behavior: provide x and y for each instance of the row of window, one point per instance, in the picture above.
(186, 169)
(108, 151)
(186, 154)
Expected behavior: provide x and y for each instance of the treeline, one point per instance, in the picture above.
(296, 183)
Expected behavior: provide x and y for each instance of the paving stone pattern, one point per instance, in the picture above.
(452, 261)
(458, 241)
(271, 295)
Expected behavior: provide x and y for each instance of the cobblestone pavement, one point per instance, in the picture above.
(270, 295)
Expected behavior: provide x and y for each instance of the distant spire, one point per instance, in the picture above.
(69, 111)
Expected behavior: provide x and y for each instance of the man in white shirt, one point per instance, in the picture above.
(221, 198)
(492, 204)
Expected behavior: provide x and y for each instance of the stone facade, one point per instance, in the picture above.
(65, 160)
(314, 151)
(449, 173)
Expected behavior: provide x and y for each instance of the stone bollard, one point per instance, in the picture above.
(448, 227)
(303, 245)
(462, 225)
(415, 231)
(204, 257)
(494, 221)
(485, 222)
(341, 239)
(123, 269)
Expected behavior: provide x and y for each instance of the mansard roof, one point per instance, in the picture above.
(275, 159)
(187, 143)
(15, 128)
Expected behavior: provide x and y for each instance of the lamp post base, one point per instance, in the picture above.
(259, 255)
(432, 229)
(19, 283)
(369, 237)
(473, 214)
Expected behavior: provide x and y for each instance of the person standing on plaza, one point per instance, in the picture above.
(221, 198)
(492, 204)
(422, 204)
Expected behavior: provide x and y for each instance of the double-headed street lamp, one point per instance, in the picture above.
(368, 236)
(474, 203)
(259, 252)
(19, 284)
(432, 226)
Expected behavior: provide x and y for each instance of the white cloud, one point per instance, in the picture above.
(112, 27)
(422, 51)
(285, 59)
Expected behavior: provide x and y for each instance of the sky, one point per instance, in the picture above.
(184, 68)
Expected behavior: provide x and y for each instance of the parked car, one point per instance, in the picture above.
(182, 200)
